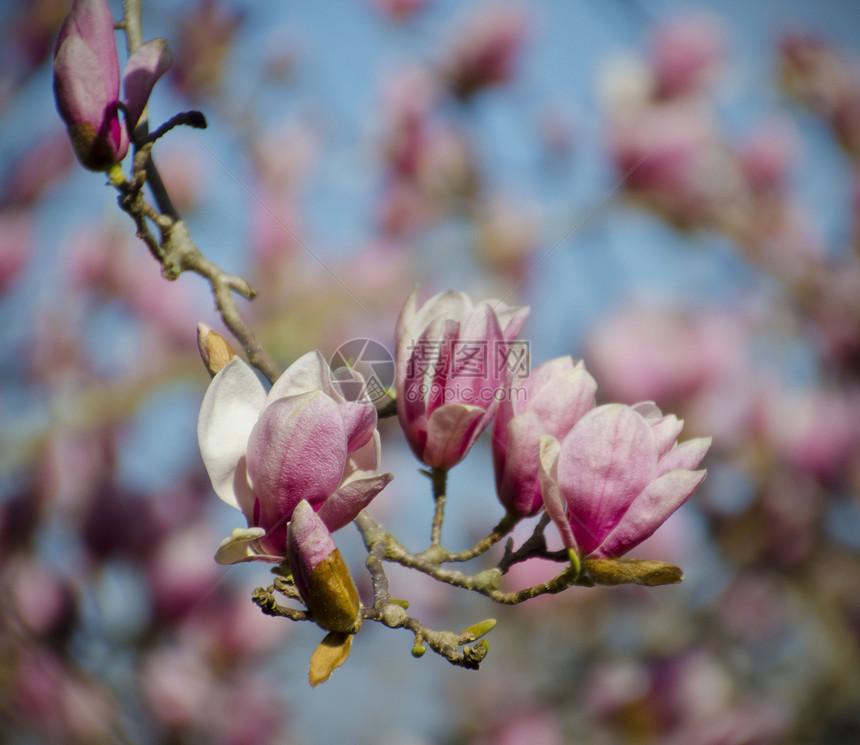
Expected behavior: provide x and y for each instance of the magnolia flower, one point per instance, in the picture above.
(266, 453)
(551, 400)
(485, 50)
(617, 476)
(686, 51)
(451, 366)
(86, 83)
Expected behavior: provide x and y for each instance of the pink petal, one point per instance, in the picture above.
(79, 84)
(308, 373)
(297, 450)
(545, 374)
(688, 455)
(441, 334)
(417, 364)
(230, 409)
(364, 461)
(310, 543)
(407, 314)
(561, 403)
(553, 502)
(450, 305)
(511, 317)
(342, 507)
(477, 371)
(92, 21)
(242, 545)
(519, 487)
(650, 510)
(666, 430)
(504, 414)
(359, 421)
(648, 410)
(142, 71)
(606, 461)
(451, 431)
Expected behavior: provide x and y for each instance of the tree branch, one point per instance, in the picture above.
(175, 249)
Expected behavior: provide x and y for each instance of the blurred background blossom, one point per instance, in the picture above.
(673, 189)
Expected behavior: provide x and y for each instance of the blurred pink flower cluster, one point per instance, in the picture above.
(431, 165)
(671, 156)
(826, 80)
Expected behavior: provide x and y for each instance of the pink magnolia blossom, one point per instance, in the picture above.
(266, 453)
(685, 52)
(87, 83)
(399, 10)
(207, 33)
(658, 353)
(815, 430)
(448, 374)
(35, 171)
(549, 401)
(671, 157)
(767, 156)
(617, 476)
(486, 49)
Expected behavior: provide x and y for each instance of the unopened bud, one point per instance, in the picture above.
(320, 573)
(632, 571)
(215, 350)
(418, 649)
(476, 631)
(331, 597)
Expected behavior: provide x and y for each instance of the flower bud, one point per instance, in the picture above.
(477, 630)
(320, 573)
(632, 571)
(215, 350)
(448, 372)
(86, 85)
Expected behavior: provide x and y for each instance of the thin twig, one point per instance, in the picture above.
(439, 477)
(175, 249)
(505, 526)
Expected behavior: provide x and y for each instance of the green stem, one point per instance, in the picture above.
(439, 477)
(505, 526)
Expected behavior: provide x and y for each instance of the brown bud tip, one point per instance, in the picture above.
(331, 596)
(632, 571)
(328, 656)
(215, 350)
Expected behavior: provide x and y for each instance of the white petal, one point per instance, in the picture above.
(308, 373)
(241, 545)
(553, 502)
(229, 411)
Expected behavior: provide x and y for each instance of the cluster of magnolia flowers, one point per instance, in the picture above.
(302, 460)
